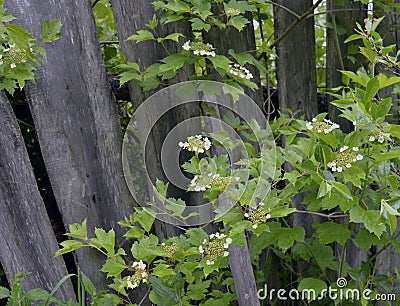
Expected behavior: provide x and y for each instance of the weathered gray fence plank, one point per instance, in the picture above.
(77, 125)
(27, 240)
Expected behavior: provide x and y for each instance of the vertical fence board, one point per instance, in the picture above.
(27, 240)
(74, 112)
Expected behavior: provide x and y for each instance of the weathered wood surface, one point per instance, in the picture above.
(342, 20)
(27, 240)
(74, 113)
(131, 16)
(296, 72)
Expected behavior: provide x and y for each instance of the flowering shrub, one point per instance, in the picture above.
(20, 54)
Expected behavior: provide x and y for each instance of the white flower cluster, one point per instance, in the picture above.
(216, 247)
(325, 126)
(13, 56)
(199, 48)
(196, 143)
(257, 216)
(140, 274)
(202, 183)
(379, 136)
(345, 158)
(240, 71)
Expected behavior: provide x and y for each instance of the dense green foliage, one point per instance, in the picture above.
(351, 181)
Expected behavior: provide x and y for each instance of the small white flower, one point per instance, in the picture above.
(144, 274)
(201, 250)
(381, 139)
(141, 265)
(342, 149)
(309, 125)
(371, 138)
(209, 262)
(267, 216)
(254, 226)
(204, 241)
(339, 169)
(314, 119)
(355, 123)
(359, 157)
(246, 215)
(348, 165)
(226, 254)
(186, 45)
(12, 65)
(334, 169)
(356, 149)
(212, 236)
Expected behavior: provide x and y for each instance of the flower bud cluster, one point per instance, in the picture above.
(240, 71)
(196, 143)
(171, 249)
(326, 126)
(199, 48)
(216, 248)
(257, 216)
(345, 158)
(13, 56)
(140, 275)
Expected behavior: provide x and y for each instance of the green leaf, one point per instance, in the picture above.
(371, 219)
(178, 6)
(315, 284)
(371, 89)
(112, 268)
(88, 285)
(135, 233)
(354, 77)
(68, 246)
(281, 211)
(342, 189)
(353, 37)
(173, 62)
(51, 30)
(4, 293)
(365, 239)
(198, 290)
(162, 270)
(126, 76)
(104, 240)
(37, 294)
(145, 219)
(287, 237)
(391, 215)
(329, 232)
(383, 107)
(238, 22)
(380, 157)
(141, 35)
(19, 36)
(165, 295)
(220, 61)
(173, 36)
(385, 81)
(199, 25)
(77, 230)
(196, 236)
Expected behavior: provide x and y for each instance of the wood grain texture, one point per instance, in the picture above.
(74, 112)
(130, 17)
(27, 240)
(337, 50)
(296, 72)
